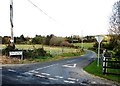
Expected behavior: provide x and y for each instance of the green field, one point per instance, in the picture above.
(56, 52)
(85, 45)
(25, 46)
(50, 49)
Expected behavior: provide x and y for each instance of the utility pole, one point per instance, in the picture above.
(72, 38)
(82, 38)
(11, 21)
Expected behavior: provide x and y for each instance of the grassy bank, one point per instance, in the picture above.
(16, 60)
(95, 70)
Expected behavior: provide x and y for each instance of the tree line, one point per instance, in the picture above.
(51, 40)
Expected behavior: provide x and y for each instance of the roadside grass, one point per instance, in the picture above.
(113, 74)
(57, 57)
(85, 45)
(16, 60)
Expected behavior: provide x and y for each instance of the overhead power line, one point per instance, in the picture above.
(41, 10)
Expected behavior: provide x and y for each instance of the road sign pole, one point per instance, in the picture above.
(99, 39)
(98, 53)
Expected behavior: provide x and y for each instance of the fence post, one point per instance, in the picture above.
(22, 55)
(104, 69)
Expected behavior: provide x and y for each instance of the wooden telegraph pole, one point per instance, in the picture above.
(11, 21)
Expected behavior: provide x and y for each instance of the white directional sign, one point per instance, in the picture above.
(99, 39)
(16, 53)
(12, 53)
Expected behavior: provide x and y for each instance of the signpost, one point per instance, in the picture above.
(12, 53)
(99, 39)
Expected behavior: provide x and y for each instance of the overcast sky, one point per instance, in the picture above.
(64, 17)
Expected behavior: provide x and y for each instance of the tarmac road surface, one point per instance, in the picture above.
(62, 72)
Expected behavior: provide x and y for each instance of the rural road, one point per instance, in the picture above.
(65, 72)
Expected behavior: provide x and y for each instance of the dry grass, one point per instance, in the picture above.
(8, 60)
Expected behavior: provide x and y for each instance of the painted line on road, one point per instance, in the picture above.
(93, 82)
(11, 70)
(38, 75)
(52, 78)
(69, 65)
(45, 74)
(59, 77)
(46, 67)
(19, 76)
(75, 65)
(73, 79)
(66, 81)
(28, 73)
(33, 71)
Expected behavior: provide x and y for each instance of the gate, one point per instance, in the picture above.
(107, 62)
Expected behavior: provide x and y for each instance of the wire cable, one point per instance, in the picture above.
(41, 10)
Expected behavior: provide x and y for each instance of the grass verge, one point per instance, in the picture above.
(16, 60)
(113, 74)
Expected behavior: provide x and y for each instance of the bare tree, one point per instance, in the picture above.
(115, 19)
(115, 28)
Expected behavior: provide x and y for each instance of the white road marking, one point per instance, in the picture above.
(52, 79)
(33, 71)
(11, 70)
(69, 65)
(93, 82)
(19, 76)
(46, 67)
(59, 77)
(66, 81)
(28, 73)
(45, 74)
(73, 79)
(83, 84)
(75, 65)
(38, 75)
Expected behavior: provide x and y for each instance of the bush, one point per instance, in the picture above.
(40, 52)
(8, 48)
